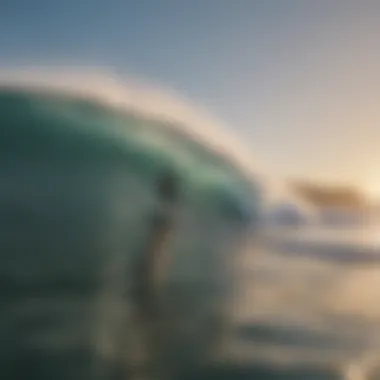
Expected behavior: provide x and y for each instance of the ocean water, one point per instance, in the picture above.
(309, 305)
(78, 195)
(308, 302)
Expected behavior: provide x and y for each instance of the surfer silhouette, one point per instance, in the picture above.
(150, 268)
(153, 259)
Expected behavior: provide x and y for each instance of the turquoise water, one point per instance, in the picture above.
(39, 121)
(78, 193)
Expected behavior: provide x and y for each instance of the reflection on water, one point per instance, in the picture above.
(306, 309)
(366, 235)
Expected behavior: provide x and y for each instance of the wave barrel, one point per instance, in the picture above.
(117, 237)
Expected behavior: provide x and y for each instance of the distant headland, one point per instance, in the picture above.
(322, 195)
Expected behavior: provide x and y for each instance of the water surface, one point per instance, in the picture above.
(306, 308)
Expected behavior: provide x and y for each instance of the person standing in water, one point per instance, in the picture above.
(150, 268)
(153, 260)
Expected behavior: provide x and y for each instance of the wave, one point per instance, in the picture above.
(83, 165)
(156, 130)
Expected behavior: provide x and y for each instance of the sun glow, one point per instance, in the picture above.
(373, 191)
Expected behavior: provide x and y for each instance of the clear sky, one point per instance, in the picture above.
(299, 80)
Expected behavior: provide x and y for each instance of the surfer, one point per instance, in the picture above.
(151, 265)
(153, 260)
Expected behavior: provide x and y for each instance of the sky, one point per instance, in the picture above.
(297, 80)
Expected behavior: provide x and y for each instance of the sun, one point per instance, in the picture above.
(373, 191)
